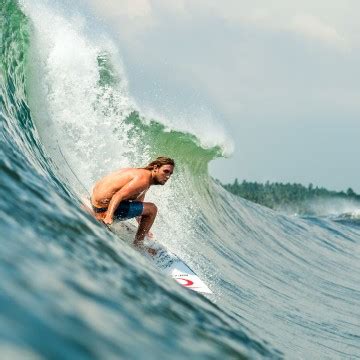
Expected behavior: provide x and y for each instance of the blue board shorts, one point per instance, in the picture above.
(126, 210)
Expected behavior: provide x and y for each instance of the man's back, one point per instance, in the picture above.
(106, 187)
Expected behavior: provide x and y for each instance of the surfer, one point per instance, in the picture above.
(120, 195)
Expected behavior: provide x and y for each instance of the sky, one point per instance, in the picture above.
(281, 76)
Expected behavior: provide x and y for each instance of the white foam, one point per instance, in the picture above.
(73, 105)
(71, 110)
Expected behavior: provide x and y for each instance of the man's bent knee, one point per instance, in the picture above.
(149, 209)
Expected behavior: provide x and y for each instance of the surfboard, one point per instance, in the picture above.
(167, 262)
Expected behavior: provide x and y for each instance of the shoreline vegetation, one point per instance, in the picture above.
(291, 198)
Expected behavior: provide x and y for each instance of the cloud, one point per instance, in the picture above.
(303, 19)
(309, 26)
(128, 8)
(313, 28)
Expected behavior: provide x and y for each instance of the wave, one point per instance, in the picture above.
(67, 118)
(351, 218)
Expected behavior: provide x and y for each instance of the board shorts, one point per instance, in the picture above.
(126, 210)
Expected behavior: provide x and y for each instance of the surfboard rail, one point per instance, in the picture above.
(167, 262)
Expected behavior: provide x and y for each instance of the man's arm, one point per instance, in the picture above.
(129, 190)
(140, 198)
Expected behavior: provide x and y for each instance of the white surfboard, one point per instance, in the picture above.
(168, 263)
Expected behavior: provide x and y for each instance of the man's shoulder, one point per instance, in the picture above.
(134, 171)
(141, 175)
(140, 179)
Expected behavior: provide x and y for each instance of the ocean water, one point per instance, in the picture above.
(283, 286)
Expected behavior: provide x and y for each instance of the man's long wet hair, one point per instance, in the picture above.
(160, 161)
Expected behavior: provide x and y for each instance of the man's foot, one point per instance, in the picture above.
(139, 245)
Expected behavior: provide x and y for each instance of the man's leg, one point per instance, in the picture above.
(147, 219)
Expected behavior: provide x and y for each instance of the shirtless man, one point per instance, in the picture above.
(120, 195)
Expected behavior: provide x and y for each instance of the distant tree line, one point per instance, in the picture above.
(286, 196)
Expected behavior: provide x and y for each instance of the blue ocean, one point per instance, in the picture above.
(284, 287)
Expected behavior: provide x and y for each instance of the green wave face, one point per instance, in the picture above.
(183, 147)
(16, 121)
(14, 40)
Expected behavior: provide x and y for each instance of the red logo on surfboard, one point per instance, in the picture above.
(184, 282)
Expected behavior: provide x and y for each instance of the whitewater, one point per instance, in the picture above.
(283, 286)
